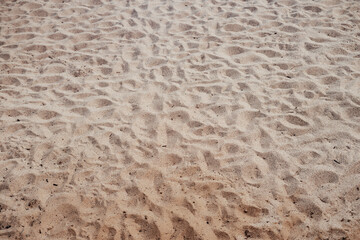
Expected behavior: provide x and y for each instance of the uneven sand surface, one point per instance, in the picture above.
(180, 120)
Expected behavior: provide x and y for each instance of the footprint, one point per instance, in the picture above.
(231, 148)
(336, 233)
(115, 140)
(210, 160)
(195, 124)
(353, 112)
(12, 113)
(57, 215)
(106, 71)
(253, 101)
(78, 73)
(132, 35)
(148, 229)
(152, 62)
(288, 47)
(158, 103)
(234, 50)
(328, 80)
(253, 211)
(311, 46)
(251, 9)
(307, 207)
(57, 36)
(243, 86)
(352, 194)
(219, 110)
(9, 81)
(290, 29)
(21, 37)
(18, 71)
(31, 6)
(108, 233)
(331, 114)
(81, 111)
(53, 69)
(80, 46)
(213, 39)
(101, 103)
(274, 160)
(250, 172)
(253, 23)
(282, 66)
(234, 28)
(324, 177)
(189, 206)
(51, 79)
(166, 72)
(251, 232)
(184, 27)
(331, 33)
(39, 13)
(180, 72)
(339, 51)
(72, 88)
(45, 114)
(101, 61)
(183, 116)
(183, 229)
(230, 15)
(83, 37)
(173, 159)
(313, 9)
(204, 131)
(232, 73)
(269, 53)
(354, 168)
(296, 120)
(5, 56)
(153, 25)
(221, 235)
(173, 137)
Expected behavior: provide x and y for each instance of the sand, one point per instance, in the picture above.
(180, 120)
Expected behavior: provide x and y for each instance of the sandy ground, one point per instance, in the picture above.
(180, 120)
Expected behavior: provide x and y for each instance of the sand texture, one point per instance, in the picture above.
(174, 119)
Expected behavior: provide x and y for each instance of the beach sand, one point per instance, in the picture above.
(180, 119)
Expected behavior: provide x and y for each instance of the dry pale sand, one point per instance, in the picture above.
(180, 120)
